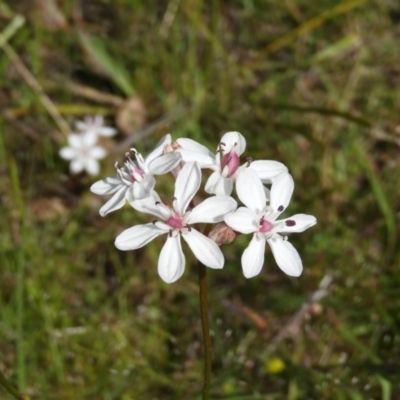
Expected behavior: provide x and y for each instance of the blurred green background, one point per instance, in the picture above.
(314, 85)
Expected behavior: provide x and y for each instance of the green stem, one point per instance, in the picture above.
(10, 389)
(206, 330)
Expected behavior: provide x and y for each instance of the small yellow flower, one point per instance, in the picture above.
(275, 365)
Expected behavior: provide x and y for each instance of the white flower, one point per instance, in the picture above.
(226, 163)
(83, 153)
(261, 220)
(178, 221)
(95, 125)
(135, 181)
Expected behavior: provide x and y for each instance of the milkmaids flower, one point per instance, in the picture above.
(83, 153)
(177, 223)
(226, 163)
(262, 220)
(135, 180)
(95, 125)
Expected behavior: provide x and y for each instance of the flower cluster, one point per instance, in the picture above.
(83, 151)
(134, 183)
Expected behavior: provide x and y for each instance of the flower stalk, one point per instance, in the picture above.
(205, 323)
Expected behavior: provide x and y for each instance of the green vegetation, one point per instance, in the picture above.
(314, 85)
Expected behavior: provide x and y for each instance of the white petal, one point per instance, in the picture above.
(253, 257)
(250, 190)
(106, 186)
(81, 126)
(204, 160)
(98, 120)
(89, 138)
(97, 152)
(92, 166)
(68, 153)
(75, 141)
(141, 190)
(233, 141)
(286, 256)
(281, 192)
(267, 170)
(151, 205)
(205, 249)
(219, 185)
(116, 202)
(171, 263)
(186, 186)
(212, 210)
(243, 220)
(301, 223)
(106, 131)
(137, 236)
(164, 164)
(159, 149)
(192, 145)
(76, 166)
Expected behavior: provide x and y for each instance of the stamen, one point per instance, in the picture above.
(249, 161)
(222, 144)
(170, 233)
(189, 228)
(281, 208)
(116, 164)
(290, 222)
(119, 173)
(158, 202)
(154, 222)
(133, 150)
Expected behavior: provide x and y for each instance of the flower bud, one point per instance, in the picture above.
(222, 234)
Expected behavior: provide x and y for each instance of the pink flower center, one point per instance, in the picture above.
(265, 226)
(136, 174)
(231, 161)
(175, 221)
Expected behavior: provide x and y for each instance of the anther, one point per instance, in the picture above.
(158, 202)
(170, 233)
(154, 222)
(281, 208)
(290, 222)
(189, 228)
(133, 150)
(249, 161)
(222, 144)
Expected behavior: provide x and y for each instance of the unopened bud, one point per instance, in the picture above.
(222, 234)
(170, 148)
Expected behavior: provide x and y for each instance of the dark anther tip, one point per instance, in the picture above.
(281, 208)
(290, 222)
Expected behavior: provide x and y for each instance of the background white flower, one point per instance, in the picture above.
(83, 153)
(135, 180)
(95, 125)
(178, 221)
(262, 220)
